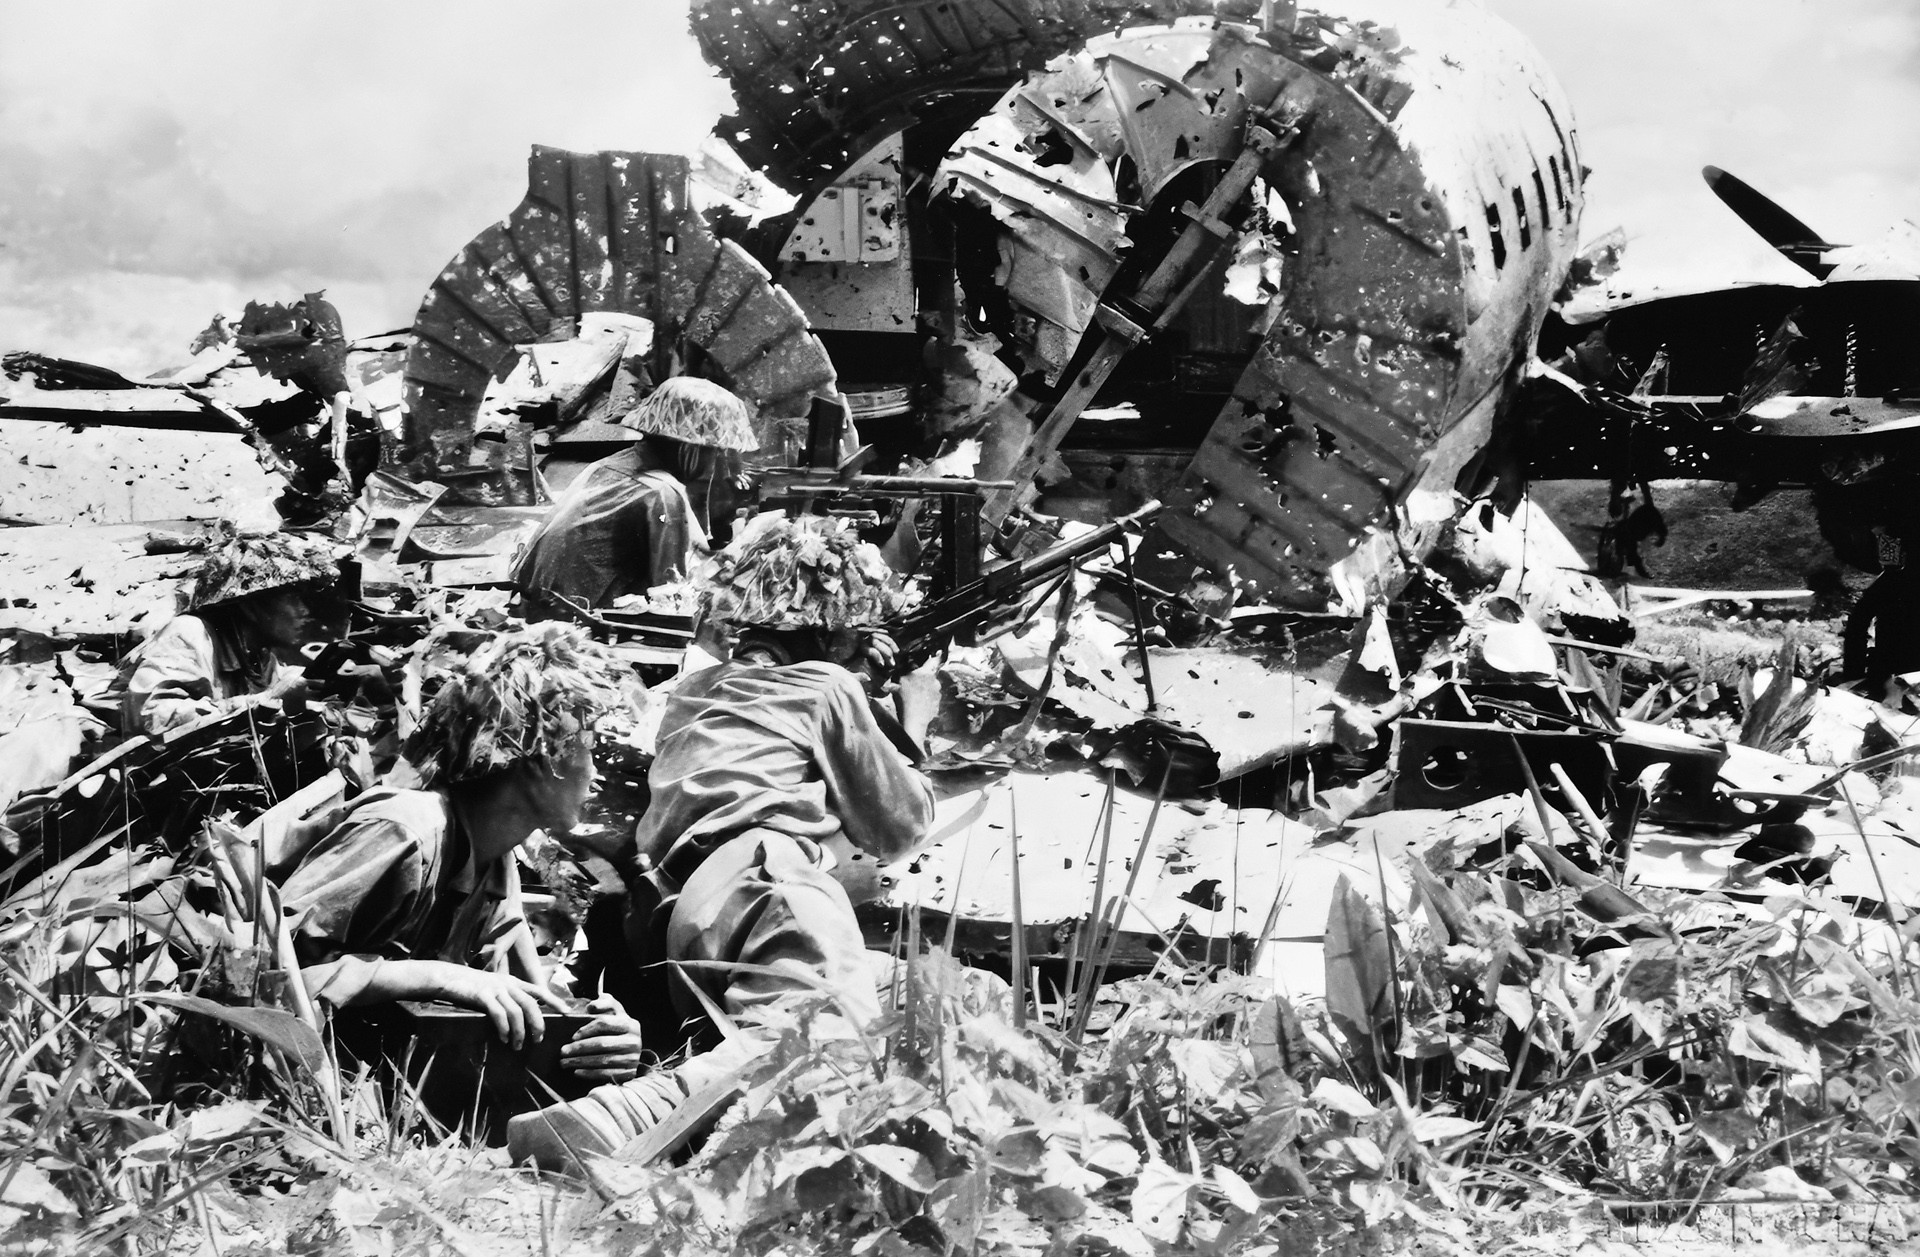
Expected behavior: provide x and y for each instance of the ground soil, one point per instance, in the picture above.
(1775, 544)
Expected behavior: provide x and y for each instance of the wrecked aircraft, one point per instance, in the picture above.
(1764, 386)
(1412, 198)
(1284, 271)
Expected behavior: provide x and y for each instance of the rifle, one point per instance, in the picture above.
(960, 614)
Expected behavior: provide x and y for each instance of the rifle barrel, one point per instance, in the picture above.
(825, 485)
(954, 610)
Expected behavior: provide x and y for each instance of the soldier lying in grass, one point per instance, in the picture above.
(414, 894)
(765, 763)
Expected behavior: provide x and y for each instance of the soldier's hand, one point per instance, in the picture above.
(510, 1003)
(368, 681)
(606, 1049)
(289, 688)
(881, 652)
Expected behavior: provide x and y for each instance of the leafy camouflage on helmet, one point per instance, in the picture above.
(528, 695)
(811, 572)
(696, 411)
(251, 563)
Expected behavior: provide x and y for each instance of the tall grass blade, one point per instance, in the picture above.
(1019, 940)
(1097, 973)
(1084, 938)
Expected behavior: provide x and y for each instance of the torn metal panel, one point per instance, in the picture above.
(473, 532)
(121, 408)
(67, 581)
(304, 343)
(50, 372)
(1179, 94)
(1044, 176)
(1577, 431)
(1427, 249)
(1252, 706)
(857, 219)
(1213, 871)
(1855, 332)
(382, 518)
(1797, 416)
(1448, 764)
(1355, 380)
(570, 381)
(601, 232)
(817, 83)
(848, 260)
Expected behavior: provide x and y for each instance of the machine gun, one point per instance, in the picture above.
(835, 482)
(960, 614)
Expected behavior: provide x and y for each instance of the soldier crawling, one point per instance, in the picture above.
(766, 762)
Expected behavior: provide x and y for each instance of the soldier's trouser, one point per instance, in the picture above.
(764, 900)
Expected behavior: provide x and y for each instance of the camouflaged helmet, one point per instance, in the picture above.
(811, 572)
(526, 695)
(696, 412)
(251, 563)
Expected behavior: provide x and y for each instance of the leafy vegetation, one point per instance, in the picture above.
(1506, 1037)
(1486, 1046)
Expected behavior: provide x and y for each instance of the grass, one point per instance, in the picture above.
(1515, 1052)
(1487, 1046)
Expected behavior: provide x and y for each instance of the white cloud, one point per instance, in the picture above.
(168, 158)
(163, 159)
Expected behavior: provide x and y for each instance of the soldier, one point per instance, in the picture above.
(766, 763)
(414, 894)
(1888, 614)
(246, 610)
(627, 523)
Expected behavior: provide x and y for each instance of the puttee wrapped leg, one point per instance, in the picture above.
(561, 1136)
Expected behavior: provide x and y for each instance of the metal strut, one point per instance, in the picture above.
(1158, 300)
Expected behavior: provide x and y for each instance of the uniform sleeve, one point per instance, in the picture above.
(173, 684)
(673, 537)
(885, 806)
(354, 891)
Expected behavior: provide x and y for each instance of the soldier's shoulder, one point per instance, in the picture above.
(422, 813)
(821, 675)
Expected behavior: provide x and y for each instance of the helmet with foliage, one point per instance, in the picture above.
(695, 412)
(250, 563)
(528, 695)
(809, 572)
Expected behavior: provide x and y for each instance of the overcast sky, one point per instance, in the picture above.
(162, 160)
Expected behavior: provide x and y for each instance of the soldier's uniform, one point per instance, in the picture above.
(762, 768)
(623, 527)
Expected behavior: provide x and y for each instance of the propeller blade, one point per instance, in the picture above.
(1797, 242)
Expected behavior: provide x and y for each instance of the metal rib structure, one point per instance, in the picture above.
(819, 82)
(1421, 263)
(602, 232)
